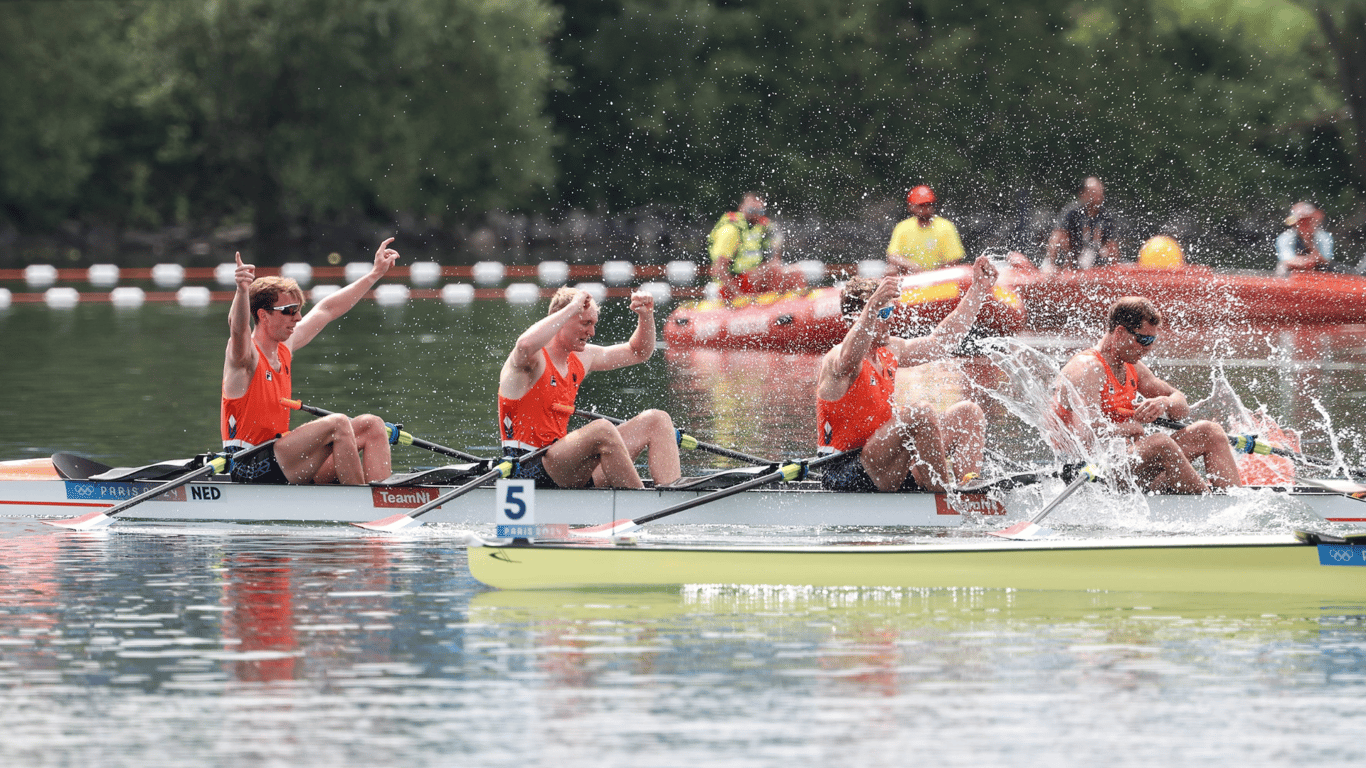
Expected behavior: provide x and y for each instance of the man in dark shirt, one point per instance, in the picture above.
(1084, 236)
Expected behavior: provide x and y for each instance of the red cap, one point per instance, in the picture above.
(920, 195)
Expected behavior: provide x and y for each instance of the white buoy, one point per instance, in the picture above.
(522, 293)
(660, 291)
(225, 274)
(391, 294)
(874, 268)
(457, 293)
(712, 292)
(597, 290)
(297, 271)
(488, 272)
(103, 275)
(127, 296)
(813, 270)
(552, 273)
(357, 269)
(618, 272)
(168, 275)
(425, 273)
(5, 298)
(680, 272)
(61, 297)
(40, 275)
(193, 296)
(321, 292)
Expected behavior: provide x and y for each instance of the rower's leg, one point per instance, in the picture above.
(654, 430)
(1207, 439)
(594, 451)
(909, 443)
(321, 451)
(965, 432)
(1163, 466)
(372, 439)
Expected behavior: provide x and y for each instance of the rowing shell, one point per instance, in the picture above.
(33, 489)
(1263, 564)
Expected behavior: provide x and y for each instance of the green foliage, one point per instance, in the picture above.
(823, 102)
(306, 109)
(293, 111)
(275, 110)
(54, 100)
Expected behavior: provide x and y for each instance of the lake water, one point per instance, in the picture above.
(227, 645)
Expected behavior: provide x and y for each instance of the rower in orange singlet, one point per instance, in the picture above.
(1106, 384)
(257, 373)
(902, 447)
(537, 388)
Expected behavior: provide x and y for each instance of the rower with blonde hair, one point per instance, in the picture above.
(539, 383)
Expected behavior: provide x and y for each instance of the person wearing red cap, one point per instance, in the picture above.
(924, 241)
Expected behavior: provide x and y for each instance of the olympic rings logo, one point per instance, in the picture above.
(1342, 555)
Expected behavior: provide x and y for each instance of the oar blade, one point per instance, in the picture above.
(1023, 531)
(390, 524)
(607, 530)
(87, 522)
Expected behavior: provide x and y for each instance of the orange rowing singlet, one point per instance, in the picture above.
(848, 422)
(258, 415)
(1116, 400)
(541, 416)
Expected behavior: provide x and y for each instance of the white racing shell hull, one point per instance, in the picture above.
(797, 504)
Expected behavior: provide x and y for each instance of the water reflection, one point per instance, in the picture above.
(318, 646)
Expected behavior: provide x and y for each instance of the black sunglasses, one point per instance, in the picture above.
(293, 309)
(1143, 339)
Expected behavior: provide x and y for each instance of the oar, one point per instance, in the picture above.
(403, 438)
(1254, 444)
(795, 470)
(402, 520)
(1031, 529)
(104, 517)
(687, 441)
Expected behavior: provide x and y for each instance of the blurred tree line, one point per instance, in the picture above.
(289, 114)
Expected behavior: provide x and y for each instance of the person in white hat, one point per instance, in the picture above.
(1306, 245)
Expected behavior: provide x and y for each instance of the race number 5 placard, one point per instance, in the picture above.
(515, 502)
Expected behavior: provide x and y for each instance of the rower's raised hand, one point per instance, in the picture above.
(245, 273)
(984, 271)
(384, 258)
(642, 303)
(886, 291)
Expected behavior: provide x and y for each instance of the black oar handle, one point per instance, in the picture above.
(403, 437)
(501, 469)
(772, 477)
(684, 438)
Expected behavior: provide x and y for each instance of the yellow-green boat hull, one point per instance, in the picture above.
(1248, 564)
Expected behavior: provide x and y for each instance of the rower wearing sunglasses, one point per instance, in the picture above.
(1106, 391)
(257, 375)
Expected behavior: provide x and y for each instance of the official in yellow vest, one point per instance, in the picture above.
(924, 241)
(746, 253)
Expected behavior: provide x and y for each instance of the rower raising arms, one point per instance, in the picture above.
(1108, 380)
(902, 446)
(257, 371)
(538, 385)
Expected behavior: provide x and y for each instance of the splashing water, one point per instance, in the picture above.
(1032, 386)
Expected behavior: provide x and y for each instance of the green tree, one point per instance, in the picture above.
(825, 103)
(55, 96)
(302, 110)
